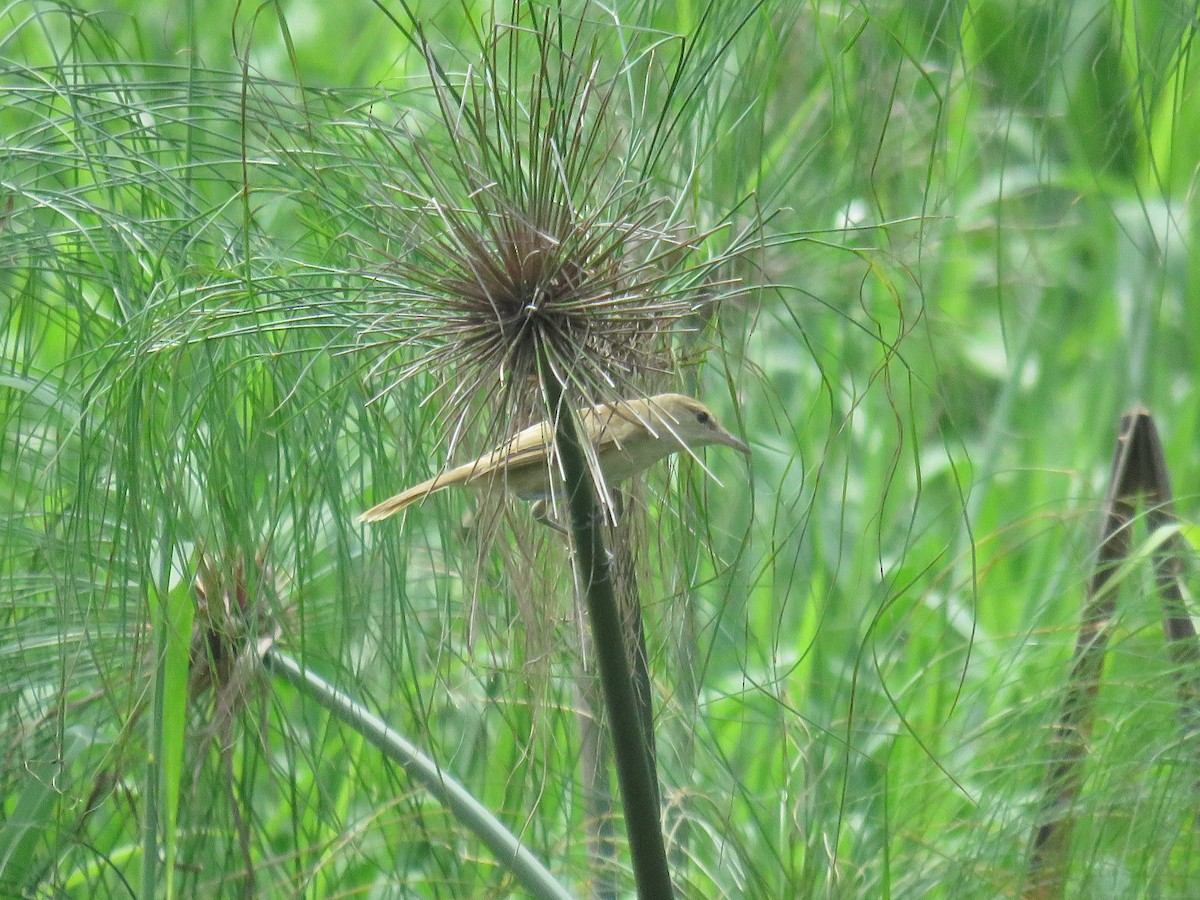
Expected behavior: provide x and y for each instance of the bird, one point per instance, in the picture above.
(628, 437)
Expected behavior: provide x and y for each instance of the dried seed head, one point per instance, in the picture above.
(233, 627)
(531, 248)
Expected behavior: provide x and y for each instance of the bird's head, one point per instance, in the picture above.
(687, 422)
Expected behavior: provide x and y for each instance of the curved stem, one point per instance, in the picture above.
(534, 877)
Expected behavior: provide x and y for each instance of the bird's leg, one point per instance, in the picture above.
(542, 515)
(618, 498)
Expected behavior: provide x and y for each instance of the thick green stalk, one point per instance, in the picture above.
(592, 566)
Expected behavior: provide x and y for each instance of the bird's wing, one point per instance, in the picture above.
(525, 447)
(605, 426)
(615, 426)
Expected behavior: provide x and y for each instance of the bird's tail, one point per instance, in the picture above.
(393, 505)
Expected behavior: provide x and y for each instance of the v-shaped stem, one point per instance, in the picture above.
(1139, 472)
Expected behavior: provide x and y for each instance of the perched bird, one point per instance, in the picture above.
(628, 437)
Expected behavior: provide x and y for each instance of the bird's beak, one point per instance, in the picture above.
(736, 443)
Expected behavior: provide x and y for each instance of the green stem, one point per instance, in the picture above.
(592, 565)
(509, 851)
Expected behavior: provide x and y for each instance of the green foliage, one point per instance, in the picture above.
(972, 233)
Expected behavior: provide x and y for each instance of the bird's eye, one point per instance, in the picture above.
(702, 417)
